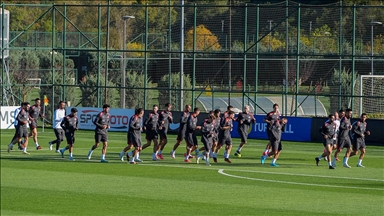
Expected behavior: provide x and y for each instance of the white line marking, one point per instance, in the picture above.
(221, 171)
(159, 163)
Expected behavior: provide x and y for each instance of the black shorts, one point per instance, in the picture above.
(163, 133)
(327, 142)
(225, 140)
(207, 141)
(243, 135)
(101, 137)
(22, 132)
(344, 143)
(358, 143)
(33, 125)
(276, 144)
(181, 135)
(59, 133)
(70, 137)
(191, 139)
(151, 135)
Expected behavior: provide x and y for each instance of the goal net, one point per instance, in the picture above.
(371, 92)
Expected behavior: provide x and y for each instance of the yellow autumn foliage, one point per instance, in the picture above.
(205, 39)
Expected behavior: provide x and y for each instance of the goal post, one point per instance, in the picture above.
(371, 92)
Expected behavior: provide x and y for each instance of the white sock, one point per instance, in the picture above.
(330, 163)
(239, 149)
(90, 152)
(173, 152)
(360, 161)
(132, 159)
(103, 156)
(70, 154)
(37, 144)
(274, 160)
(137, 155)
(346, 160)
(25, 149)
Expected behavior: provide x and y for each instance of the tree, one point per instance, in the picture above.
(205, 39)
(135, 92)
(346, 88)
(89, 90)
(174, 89)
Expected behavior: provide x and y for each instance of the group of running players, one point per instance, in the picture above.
(339, 133)
(215, 133)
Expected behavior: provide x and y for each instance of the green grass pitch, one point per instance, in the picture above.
(45, 184)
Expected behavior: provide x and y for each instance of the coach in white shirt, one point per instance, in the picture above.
(58, 116)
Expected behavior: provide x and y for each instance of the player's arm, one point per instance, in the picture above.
(63, 123)
(133, 124)
(19, 118)
(77, 124)
(343, 125)
(253, 120)
(170, 119)
(184, 118)
(356, 130)
(323, 131)
(191, 124)
(96, 122)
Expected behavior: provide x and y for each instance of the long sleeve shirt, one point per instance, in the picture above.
(58, 117)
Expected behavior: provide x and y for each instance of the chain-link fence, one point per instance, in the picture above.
(309, 59)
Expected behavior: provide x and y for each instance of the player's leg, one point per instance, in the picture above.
(346, 157)
(228, 148)
(189, 150)
(95, 146)
(155, 147)
(104, 150)
(243, 136)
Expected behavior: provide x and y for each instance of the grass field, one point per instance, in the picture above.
(45, 184)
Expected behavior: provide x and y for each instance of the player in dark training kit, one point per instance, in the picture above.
(134, 136)
(151, 125)
(190, 136)
(70, 124)
(272, 116)
(21, 128)
(245, 120)
(182, 129)
(34, 114)
(207, 133)
(165, 118)
(101, 132)
(359, 131)
(225, 136)
(344, 140)
(276, 130)
(328, 131)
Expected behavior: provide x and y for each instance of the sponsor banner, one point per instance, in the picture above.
(7, 114)
(119, 117)
(297, 129)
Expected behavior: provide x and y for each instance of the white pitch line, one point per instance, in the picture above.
(158, 163)
(264, 172)
(221, 171)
